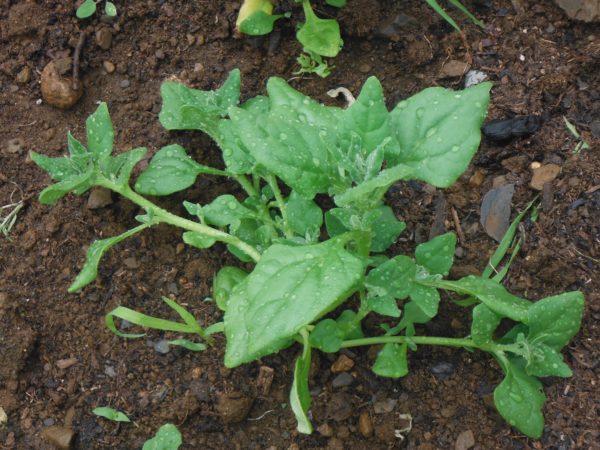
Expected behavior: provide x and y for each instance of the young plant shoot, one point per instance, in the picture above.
(284, 149)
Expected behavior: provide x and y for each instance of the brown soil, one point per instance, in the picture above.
(540, 63)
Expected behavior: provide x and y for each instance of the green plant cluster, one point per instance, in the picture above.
(88, 9)
(320, 38)
(286, 150)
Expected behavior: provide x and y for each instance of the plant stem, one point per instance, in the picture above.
(281, 205)
(246, 185)
(422, 340)
(162, 215)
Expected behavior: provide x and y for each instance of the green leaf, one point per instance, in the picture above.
(327, 336)
(426, 298)
(519, 399)
(385, 305)
(235, 154)
(320, 36)
(336, 3)
(412, 314)
(439, 131)
(485, 322)
(386, 228)
(438, 9)
(225, 280)
(190, 109)
(77, 184)
(100, 133)
(166, 438)
(457, 4)
(89, 272)
(189, 345)
(350, 326)
(171, 170)
(392, 278)
(391, 361)
(304, 216)
(110, 9)
(118, 168)
(78, 153)
(259, 23)
(545, 361)
(289, 288)
(59, 169)
(300, 395)
(86, 9)
(553, 321)
(437, 255)
(226, 210)
(198, 240)
(111, 414)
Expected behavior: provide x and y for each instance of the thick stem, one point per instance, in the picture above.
(164, 216)
(421, 340)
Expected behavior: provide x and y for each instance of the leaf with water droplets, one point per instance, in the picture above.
(520, 398)
(391, 361)
(546, 362)
(226, 210)
(327, 336)
(385, 227)
(118, 168)
(385, 305)
(438, 131)
(198, 240)
(392, 278)
(437, 255)
(485, 322)
(227, 278)
(320, 36)
(290, 287)
(166, 438)
(100, 133)
(304, 215)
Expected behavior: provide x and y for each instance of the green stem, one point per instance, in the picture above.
(281, 205)
(422, 340)
(246, 185)
(164, 216)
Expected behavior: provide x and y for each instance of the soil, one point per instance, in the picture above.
(58, 361)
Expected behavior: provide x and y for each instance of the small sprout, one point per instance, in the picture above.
(111, 414)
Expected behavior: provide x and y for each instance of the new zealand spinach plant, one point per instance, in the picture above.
(285, 150)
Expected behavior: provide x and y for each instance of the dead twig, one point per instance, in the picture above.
(76, 57)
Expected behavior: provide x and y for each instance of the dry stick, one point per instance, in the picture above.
(457, 227)
(76, 56)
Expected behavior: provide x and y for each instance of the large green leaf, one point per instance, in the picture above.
(439, 131)
(289, 288)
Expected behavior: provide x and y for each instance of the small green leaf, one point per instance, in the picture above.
(166, 438)
(327, 336)
(60, 168)
(89, 272)
(300, 395)
(386, 228)
(290, 287)
(443, 14)
(437, 255)
(118, 168)
(198, 240)
(546, 362)
(77, 184)
(100, 133)
(320, 36)
(189, 345)
(391, 361)
(171, 170)
(426, 298)
(110, 9)
(226, 210)
(350, 326)
(259, 23)
(336, 3)
(485, 322)
(225, 280)
(392, 278)
(86, 9)
(304, 216)
(412, 314)
(439, 131)
(111, 414)
(386, 306)
(519, 399)
(555, 320)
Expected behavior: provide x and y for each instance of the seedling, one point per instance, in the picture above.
(167, 437)
(284, 149)
(581, 143)
(8, 217)
(111, 414)
(88, 9)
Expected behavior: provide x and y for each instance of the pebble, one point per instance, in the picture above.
(66, 363)
(364, 68)
(544, 174)
(125, 84)
(342, 364)
(335, 444)
(474, 77)
(3, 417)
(48, 422)
(342, 380)
(384, 406)
(159, 54)
(325, 430)
(104, 38)
(365, 425)
(454, 68)
(190, 38)
(24, 76)
(99, 198)
(495, 211)
(131, 263)
(57, 90)
(161, 346)
(15, 145)
(108, 66)
(442, 369)
(58, 436)
(465, 440)
(233, 407)
(110, 371)
(595, 128)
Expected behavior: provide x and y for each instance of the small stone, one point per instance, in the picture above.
(595, 128)
(474, 77)
(384, 406)
(58, 436)
(99, 198)
(125, 84)
(544, 174)
(190, 38)
(110, 371)
(104, 38)
(57, 90)
(325, 430)
(15, 146)
(364, 68)
(265, 379)
(335, 443)
(161, 346)
(66, 363)
(448, 411)
(233, 407)
(465, 440)
(442, 369)
(365, 425)
(108, 66)
(454, 68)
(159, 54)
(131, 263)
(48, 422)
(3, 417)
(24, 76)
(200, 40)
(342, 380)
(477, 178)
(342, 364)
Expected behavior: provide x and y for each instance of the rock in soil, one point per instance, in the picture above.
(544, 174)
(99, 198)
(57, 90)
(104, 38)
(365, 425)
(495, 211)
(454, 69)
(586, 10)
(60, 437)
(233, 407)
(342, 380)
(325, 430)
(465, 440)
(342, 364)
